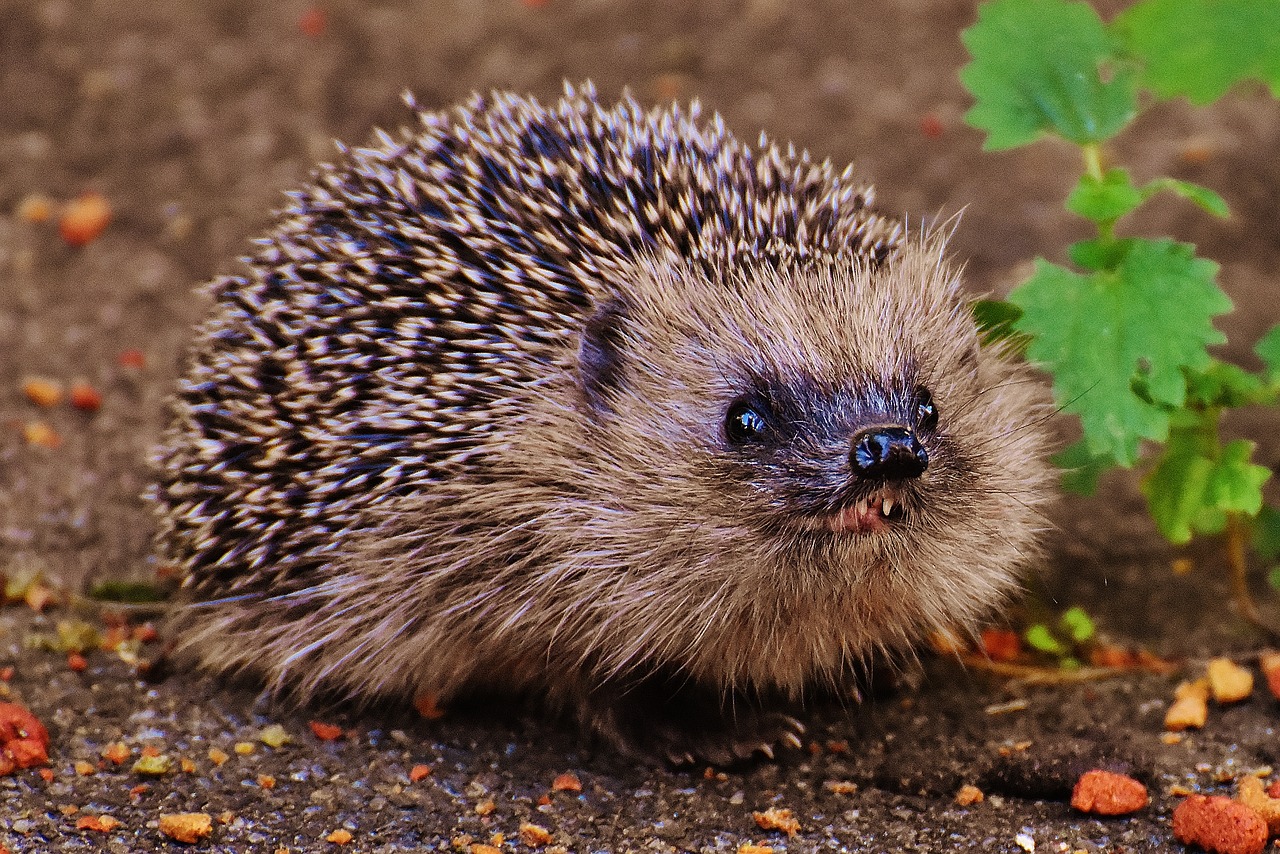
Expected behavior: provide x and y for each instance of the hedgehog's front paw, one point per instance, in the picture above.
(690, 725)
(742, 739)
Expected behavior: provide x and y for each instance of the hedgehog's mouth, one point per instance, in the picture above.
(870, 514)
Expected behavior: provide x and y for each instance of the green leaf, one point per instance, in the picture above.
(1077, 623)
(1045, 65)
(1148, 319)
(1236, 482)
(1268, 349)
(1081, 469)
(995, 323)
(1273, 577)
(1201, 48)
(1196, 484)
(1039, 638)
(1106, 199)
(1099, 254)
(1114, 195)
(1266, 533)
(1175, 488)
(1202, 196)
(1223, 384)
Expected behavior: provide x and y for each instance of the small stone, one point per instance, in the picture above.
(1219, 825)
(1228, 681)
(1108, 793)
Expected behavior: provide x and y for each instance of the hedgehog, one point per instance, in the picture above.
(596, 405)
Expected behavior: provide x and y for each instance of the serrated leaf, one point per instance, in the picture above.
(1236, 482)
(1045, 65)
(1195, 485)
(995, 323)
(1106, 199)
(1201, 48)
(1175, 487)
(1080, 469)
(1203, 197)
(1268, 349)
(1223, 384)
(1150, 317)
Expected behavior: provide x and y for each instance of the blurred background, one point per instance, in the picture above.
(191, 119)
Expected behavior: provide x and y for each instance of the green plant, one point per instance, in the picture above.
(1064, 641)
(1124, 332)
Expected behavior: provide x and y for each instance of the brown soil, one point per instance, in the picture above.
(192, 118)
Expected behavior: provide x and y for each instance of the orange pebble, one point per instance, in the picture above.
(324, 731)
(313, 22)
(131, 359)
(1107, 793)
(85, 397)
(566, 782)
(84, 218)
(1220, 825)
(36, 207)
(41, 435)
(42, 392)
(187, 827)
(340, 836)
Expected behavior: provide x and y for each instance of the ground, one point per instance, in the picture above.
(191, 119)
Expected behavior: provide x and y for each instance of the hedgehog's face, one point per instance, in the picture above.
(813, 462)
(832, 405)
(839, 460)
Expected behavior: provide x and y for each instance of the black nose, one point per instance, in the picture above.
(887, 453)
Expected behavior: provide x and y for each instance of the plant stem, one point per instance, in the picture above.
(1092, 160)
(1237, 539)
(1093, 168)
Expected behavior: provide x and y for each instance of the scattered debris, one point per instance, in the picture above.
(1190, 708)
(1228, 681)
(566, 782)
(42, 391)
(1251, 793)
(98, 823)
(1108, 793)
(1219, 825)
(35, 208)
(24, 742)
(84, 219)
(274, 736)
(534, 835)
(187, 827)
(777, 819)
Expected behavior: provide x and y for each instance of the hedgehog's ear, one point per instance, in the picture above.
(600, 356)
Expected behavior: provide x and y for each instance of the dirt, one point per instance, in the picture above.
(191, 119)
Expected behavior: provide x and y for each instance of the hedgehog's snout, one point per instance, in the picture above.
(887, 452)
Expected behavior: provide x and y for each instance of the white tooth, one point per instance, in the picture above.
(862, 507)
(886, 505)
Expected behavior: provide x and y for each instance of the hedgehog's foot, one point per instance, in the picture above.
(690, 724)
(741, 738)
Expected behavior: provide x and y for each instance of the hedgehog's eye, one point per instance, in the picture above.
(744, 422)
(926, 411)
